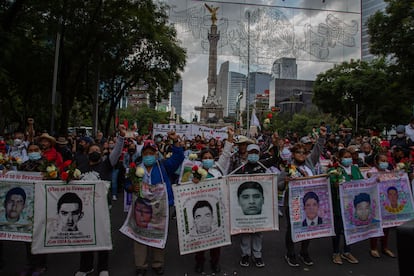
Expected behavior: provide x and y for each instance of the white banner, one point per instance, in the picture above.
(202, 215)
(310, 203)
(253, 203)
(71, 217)
(147, 220)
(22, 175)
(190, 131)
(360, 209)
(16, 210)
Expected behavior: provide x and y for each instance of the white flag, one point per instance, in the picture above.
(254, 121)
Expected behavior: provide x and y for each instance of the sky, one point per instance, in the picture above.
(318, 34)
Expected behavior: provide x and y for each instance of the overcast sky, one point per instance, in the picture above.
(317, 34)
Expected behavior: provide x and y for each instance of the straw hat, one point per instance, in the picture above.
(46, 136)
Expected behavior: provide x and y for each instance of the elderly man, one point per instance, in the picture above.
(47, 145)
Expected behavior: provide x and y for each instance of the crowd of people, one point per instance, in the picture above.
(161, 156)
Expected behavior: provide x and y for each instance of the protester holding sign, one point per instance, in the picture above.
(338, 173)
(214, 170)
(99, 169)
(156, 173)
(302, 165)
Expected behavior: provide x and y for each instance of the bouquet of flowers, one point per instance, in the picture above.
(50, 171)
(199, 172)
(404, 165)
(69, 172)
(335, 173)
(8, 162)
(136, 174)
(193, 156)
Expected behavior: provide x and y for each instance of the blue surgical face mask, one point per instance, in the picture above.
(383, 165)
(253, 157)
(34, 156)
(148, 160)
(208, 163)
(346, 162)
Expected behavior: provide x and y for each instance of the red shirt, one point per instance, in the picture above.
(53, 156)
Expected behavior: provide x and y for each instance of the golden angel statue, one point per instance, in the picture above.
(213, 11)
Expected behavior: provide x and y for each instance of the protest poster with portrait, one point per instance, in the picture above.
(147, 220)
(395, 197)
(253, 203)
(202, 215)
(16, 210)
(310, 202)
(360, 209)
(71, 217)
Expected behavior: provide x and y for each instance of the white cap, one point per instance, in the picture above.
(253, 147)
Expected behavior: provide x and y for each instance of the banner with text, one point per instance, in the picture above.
(310, 202)
(190, 131)
(71, 217)
(253, 203)
(16, 210)
(147, 220)
(202, 215)
(360, 209)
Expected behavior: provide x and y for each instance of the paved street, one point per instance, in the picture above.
(122, 264)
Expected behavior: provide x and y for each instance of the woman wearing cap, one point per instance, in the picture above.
(214, 170)
(156, 172)
(305, 166)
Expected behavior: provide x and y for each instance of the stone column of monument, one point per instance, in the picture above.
(212, 105)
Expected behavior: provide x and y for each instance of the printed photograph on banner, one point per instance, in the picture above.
(70, 215)
(16, 210)
(202, 215)
(360, 210)
(127, 201)
(253, 203)
(147, 220)
(186, 174)
(396, 200)
(310, 209)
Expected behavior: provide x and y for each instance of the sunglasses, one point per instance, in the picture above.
(300, 152)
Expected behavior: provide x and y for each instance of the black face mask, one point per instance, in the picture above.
(131, 151)
(80, 148)
(94, 156)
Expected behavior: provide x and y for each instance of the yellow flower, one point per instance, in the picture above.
(19, 160)
(202, 172)
(139, 172)
(53, 174)
(400, 166)
(193, 156)
(267, 121)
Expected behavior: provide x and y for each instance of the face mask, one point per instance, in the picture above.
(383, 165)
(34, 156)
(158, 140)
(94, 156)
(80, 147)
(148, 160)
(400, 135)
(187, 145)
(346, 162)
(253, 158)
(131, 151)
(111, 146)
(208, 163)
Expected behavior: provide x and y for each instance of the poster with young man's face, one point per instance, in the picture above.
(16, 210)
(71, 217)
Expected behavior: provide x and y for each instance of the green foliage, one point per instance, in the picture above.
(144, 117)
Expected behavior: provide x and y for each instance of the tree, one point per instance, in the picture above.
(339, 90)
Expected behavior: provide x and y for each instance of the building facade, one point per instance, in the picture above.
(177, 97)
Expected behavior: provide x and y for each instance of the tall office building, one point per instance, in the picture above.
(258, 84)
(229, 86)
(177, 97)
(368, 8)
(285, 68)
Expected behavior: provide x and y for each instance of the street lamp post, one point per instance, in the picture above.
(248, 75)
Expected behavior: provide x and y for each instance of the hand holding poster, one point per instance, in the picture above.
(360, 209)
(16, 210)
(310, 208)
(72, 217)
(253, 203)
(202, 215)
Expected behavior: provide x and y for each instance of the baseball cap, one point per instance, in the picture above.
(400, 129)
(242, 139)
(150, 144)
(253, 147)
(305, 140)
